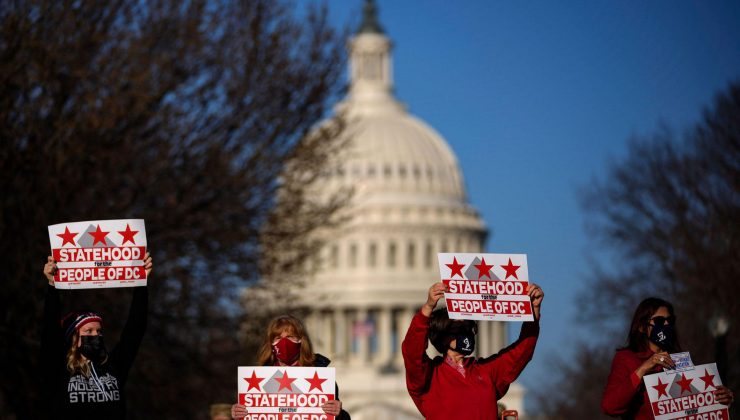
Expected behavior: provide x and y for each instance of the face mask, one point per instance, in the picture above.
(93, 347)
(465, 344)
(286, 350)
(663, 336)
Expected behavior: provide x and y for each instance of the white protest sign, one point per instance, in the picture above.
(682, 361)
(486, 287)
(686, 395)
(99, 253)
(285, 393)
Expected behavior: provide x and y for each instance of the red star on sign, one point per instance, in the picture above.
(254, 381)
(708, 379)
(285, 381)
(455, 267)
(315, 382)
(128, 235)
(510, 270)
(67, 237)
(483, 269)
(685, 384)
(661, 388)
(98, 236)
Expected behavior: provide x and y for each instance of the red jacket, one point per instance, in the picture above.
(441, 392)
(625, 394)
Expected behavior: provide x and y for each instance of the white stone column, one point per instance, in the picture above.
(327, 321)
(403, 320)
(499, 335)
(363, 344)
(311, 323)
(340, 335)
(384, 341)
(485, 338)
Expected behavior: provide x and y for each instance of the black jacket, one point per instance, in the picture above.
(100, 396)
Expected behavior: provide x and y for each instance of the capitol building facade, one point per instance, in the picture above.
(409, 204)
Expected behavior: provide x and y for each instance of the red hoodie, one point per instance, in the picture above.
(625, 394)
(441, 392)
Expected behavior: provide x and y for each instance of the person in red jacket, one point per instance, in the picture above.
(454, 386)
(651, 339)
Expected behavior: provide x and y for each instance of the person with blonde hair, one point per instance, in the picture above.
(287, 343)
(82, 379)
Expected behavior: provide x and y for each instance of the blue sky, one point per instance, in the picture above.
(536, 98)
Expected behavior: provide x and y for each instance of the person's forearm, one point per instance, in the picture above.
(415, 359)
(427, 309)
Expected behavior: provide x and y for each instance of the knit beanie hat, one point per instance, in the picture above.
(73, 321)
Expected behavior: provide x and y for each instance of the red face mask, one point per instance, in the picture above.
(286, 350)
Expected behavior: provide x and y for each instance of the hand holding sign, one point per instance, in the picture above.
(724, 395)
(332, 407)
(50, 269)
(436, 292)
(148, 264)
(662, 359)
(535, 295)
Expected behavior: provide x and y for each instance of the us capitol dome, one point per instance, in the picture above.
(409, 204)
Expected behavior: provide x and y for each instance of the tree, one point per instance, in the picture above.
(670, 213)
(181, 113)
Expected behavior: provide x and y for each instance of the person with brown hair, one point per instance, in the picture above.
(454, 385)
(82, 379)
(287, 344)
(651, 339)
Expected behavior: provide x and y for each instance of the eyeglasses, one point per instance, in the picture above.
(663, 320)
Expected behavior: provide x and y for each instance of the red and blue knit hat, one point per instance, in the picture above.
(73, 321)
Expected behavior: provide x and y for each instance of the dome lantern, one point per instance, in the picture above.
(370, 23)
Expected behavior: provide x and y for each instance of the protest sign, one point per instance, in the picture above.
(687, 395)
(682, 361)
(99, 253)
(486, 287)
(285, 393)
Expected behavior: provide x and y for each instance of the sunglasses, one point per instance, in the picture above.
(663, 320)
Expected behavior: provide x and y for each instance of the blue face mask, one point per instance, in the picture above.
(465, 344)
(664, 336)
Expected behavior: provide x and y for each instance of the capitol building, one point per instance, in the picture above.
(409, 204)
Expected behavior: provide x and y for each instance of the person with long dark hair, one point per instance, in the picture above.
(83, 380)
(454, 385)
(287, 343)
(651, 340)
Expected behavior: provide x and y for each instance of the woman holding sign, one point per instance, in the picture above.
(455, 386)
(287, 344)
(83, 379)
(651, 339)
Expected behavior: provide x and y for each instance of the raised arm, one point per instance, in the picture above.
(133, 331)
(505, 366)
(625, 380)
(417, 363)
(52, 338)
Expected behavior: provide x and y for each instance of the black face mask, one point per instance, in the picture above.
(664, 336)
(465, 344)
(93, 348)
